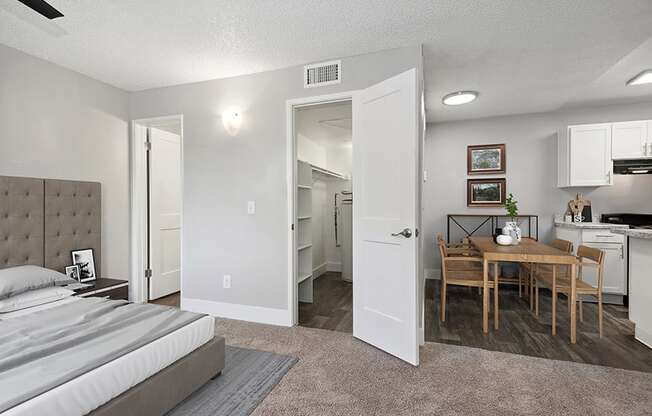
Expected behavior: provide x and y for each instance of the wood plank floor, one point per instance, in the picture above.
(332, 307)
(170, 300)
(520, 332)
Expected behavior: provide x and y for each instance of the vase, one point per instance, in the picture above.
(512, 229)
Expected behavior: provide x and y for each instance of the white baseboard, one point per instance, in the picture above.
(319, 270)
(434, 274)
(281, 317)
(642, 336)
(333, 266)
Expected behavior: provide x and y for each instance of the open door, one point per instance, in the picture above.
(165, 213)
(385, 184)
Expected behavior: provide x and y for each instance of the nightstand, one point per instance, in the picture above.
(102, 288)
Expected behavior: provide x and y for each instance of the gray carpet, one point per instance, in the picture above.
(249, 375)
(339, 375)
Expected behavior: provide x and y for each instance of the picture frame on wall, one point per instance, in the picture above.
(486, 192)
(485, 159)
(85, 259)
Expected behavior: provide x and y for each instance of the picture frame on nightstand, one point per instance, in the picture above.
(73, 272)
(85, 259)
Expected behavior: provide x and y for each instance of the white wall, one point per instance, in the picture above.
(311, 152)
(333, 253)
(55, 123)
(222, 172)
(531, 168)
(320, 221)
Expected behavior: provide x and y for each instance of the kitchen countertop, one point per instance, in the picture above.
(634, 232)
(590, 225)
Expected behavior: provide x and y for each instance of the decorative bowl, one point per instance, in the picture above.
(504, 240)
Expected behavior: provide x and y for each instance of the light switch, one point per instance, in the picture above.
(251, 207)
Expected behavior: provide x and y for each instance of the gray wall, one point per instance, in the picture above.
(56, 123)
(531, 168)
(221, 173)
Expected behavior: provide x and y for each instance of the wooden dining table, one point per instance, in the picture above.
(528, 251)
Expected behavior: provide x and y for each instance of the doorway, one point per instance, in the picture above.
(386, 307)
(324, 222)
(156, 209)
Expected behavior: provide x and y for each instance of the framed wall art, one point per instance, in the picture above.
(485, 192)
(485, 159)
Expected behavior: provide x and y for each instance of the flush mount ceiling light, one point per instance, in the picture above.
(459, 97)
(644, 77)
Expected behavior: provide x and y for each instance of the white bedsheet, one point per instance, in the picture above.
(87, 392)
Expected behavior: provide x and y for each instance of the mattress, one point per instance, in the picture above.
(90, 390)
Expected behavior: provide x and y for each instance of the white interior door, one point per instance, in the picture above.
(165, 213)
(385, 164)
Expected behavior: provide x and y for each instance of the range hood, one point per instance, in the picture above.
(633, 167)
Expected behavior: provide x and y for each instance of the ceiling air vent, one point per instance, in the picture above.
(321, 74)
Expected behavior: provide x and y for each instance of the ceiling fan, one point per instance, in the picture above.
(42, 7)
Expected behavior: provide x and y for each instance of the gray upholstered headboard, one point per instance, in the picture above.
(21, 221)
(43, 220)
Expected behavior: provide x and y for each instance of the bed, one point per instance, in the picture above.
(87, 356)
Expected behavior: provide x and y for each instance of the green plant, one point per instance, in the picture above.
(511, 207)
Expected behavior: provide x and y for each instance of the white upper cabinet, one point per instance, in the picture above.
(585, 156)
(630, 140)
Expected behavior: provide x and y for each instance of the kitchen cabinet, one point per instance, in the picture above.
(614, 284)
(584, 156)
(631, 140)
(613, 279)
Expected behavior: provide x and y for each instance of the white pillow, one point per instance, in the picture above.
(20, 279)
(34, 298)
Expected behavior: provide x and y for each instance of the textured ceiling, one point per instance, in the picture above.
(326, 125)
(521, 55)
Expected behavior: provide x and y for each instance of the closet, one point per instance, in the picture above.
(324, 200)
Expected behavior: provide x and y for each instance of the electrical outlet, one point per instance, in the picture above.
(227, 281)
(251, 207)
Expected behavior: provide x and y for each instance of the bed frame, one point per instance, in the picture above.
(41, 221)
(164, 390)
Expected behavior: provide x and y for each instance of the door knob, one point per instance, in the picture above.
(407, 233)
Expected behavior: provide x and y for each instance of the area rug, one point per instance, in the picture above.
(248, 376)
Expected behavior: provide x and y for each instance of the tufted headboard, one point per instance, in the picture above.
(21, 221)
(43, 220)
(73, 218)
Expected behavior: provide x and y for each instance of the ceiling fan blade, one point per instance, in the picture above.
(43, 8)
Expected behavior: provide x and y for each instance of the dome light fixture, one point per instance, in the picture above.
(459, 97)
(644, 77)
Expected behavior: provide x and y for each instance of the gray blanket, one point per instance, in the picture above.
(45, 349)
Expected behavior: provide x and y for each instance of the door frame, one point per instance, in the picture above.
(291, 170)
(138, 204)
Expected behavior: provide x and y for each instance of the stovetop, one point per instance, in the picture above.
(642, 221)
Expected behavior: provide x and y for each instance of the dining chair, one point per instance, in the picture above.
(528, 269)
(463, 270)
(458, 249)
(558, 281)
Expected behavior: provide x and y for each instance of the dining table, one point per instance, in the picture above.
(527, 251)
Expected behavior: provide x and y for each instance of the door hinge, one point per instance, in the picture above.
(292, 227)
(148, 273)
(148, 142)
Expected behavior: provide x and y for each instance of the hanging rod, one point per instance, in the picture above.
(328, 172)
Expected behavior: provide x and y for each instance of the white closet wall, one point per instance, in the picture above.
(322, 218)
(333, 253)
